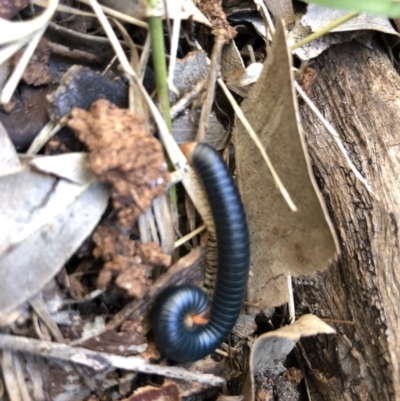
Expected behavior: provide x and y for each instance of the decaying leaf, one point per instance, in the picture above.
(270, 350)
(282, 242)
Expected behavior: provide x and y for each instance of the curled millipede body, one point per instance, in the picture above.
(186, 328)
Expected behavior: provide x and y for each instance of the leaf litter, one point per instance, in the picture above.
(73, 251)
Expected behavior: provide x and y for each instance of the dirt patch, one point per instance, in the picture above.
(37, 72)
(123, 154)
(127, 264)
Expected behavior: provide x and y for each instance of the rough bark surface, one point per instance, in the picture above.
(358, 91)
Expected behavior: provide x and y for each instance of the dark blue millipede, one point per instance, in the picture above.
(185, 326)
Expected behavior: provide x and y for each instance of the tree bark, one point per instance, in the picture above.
(358, 91)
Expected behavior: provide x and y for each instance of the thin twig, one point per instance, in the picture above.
(212, 78)
(174, 48)
(101, 360)
(160, 68)
(16, 75)
(266, 16)
(292, 312)
(144, 57)
(187, 98)
(189, 236)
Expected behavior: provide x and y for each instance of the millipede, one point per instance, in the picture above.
(185, 324)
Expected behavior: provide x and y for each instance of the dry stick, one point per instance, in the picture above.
(101, 360)
(187, 98)
(189, 236)
(15, 77)
(41, 310)
(144, 57)
(334, 135)
(212, 78)
(174, 47)
(292, 312)
(8, 51)
(9, 376)
(45, 134)
(266, 15)
(19, 373)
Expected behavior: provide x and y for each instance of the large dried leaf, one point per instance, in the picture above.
(70, 166)
(317, 17)
(237, 77)
(269, 351)
(44, 220)
(282, 241)
(281, 9)
(389, 8)
(30, 200)
(9, 160)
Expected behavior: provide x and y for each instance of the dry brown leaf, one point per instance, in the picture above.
(185, 126)
(167, 392)
(281, 9)
(237, 77)
(270, 350)
(282, 242)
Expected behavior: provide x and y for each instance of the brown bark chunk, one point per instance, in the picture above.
(357, 89)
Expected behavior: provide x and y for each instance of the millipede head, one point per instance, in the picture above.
(188, 149)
